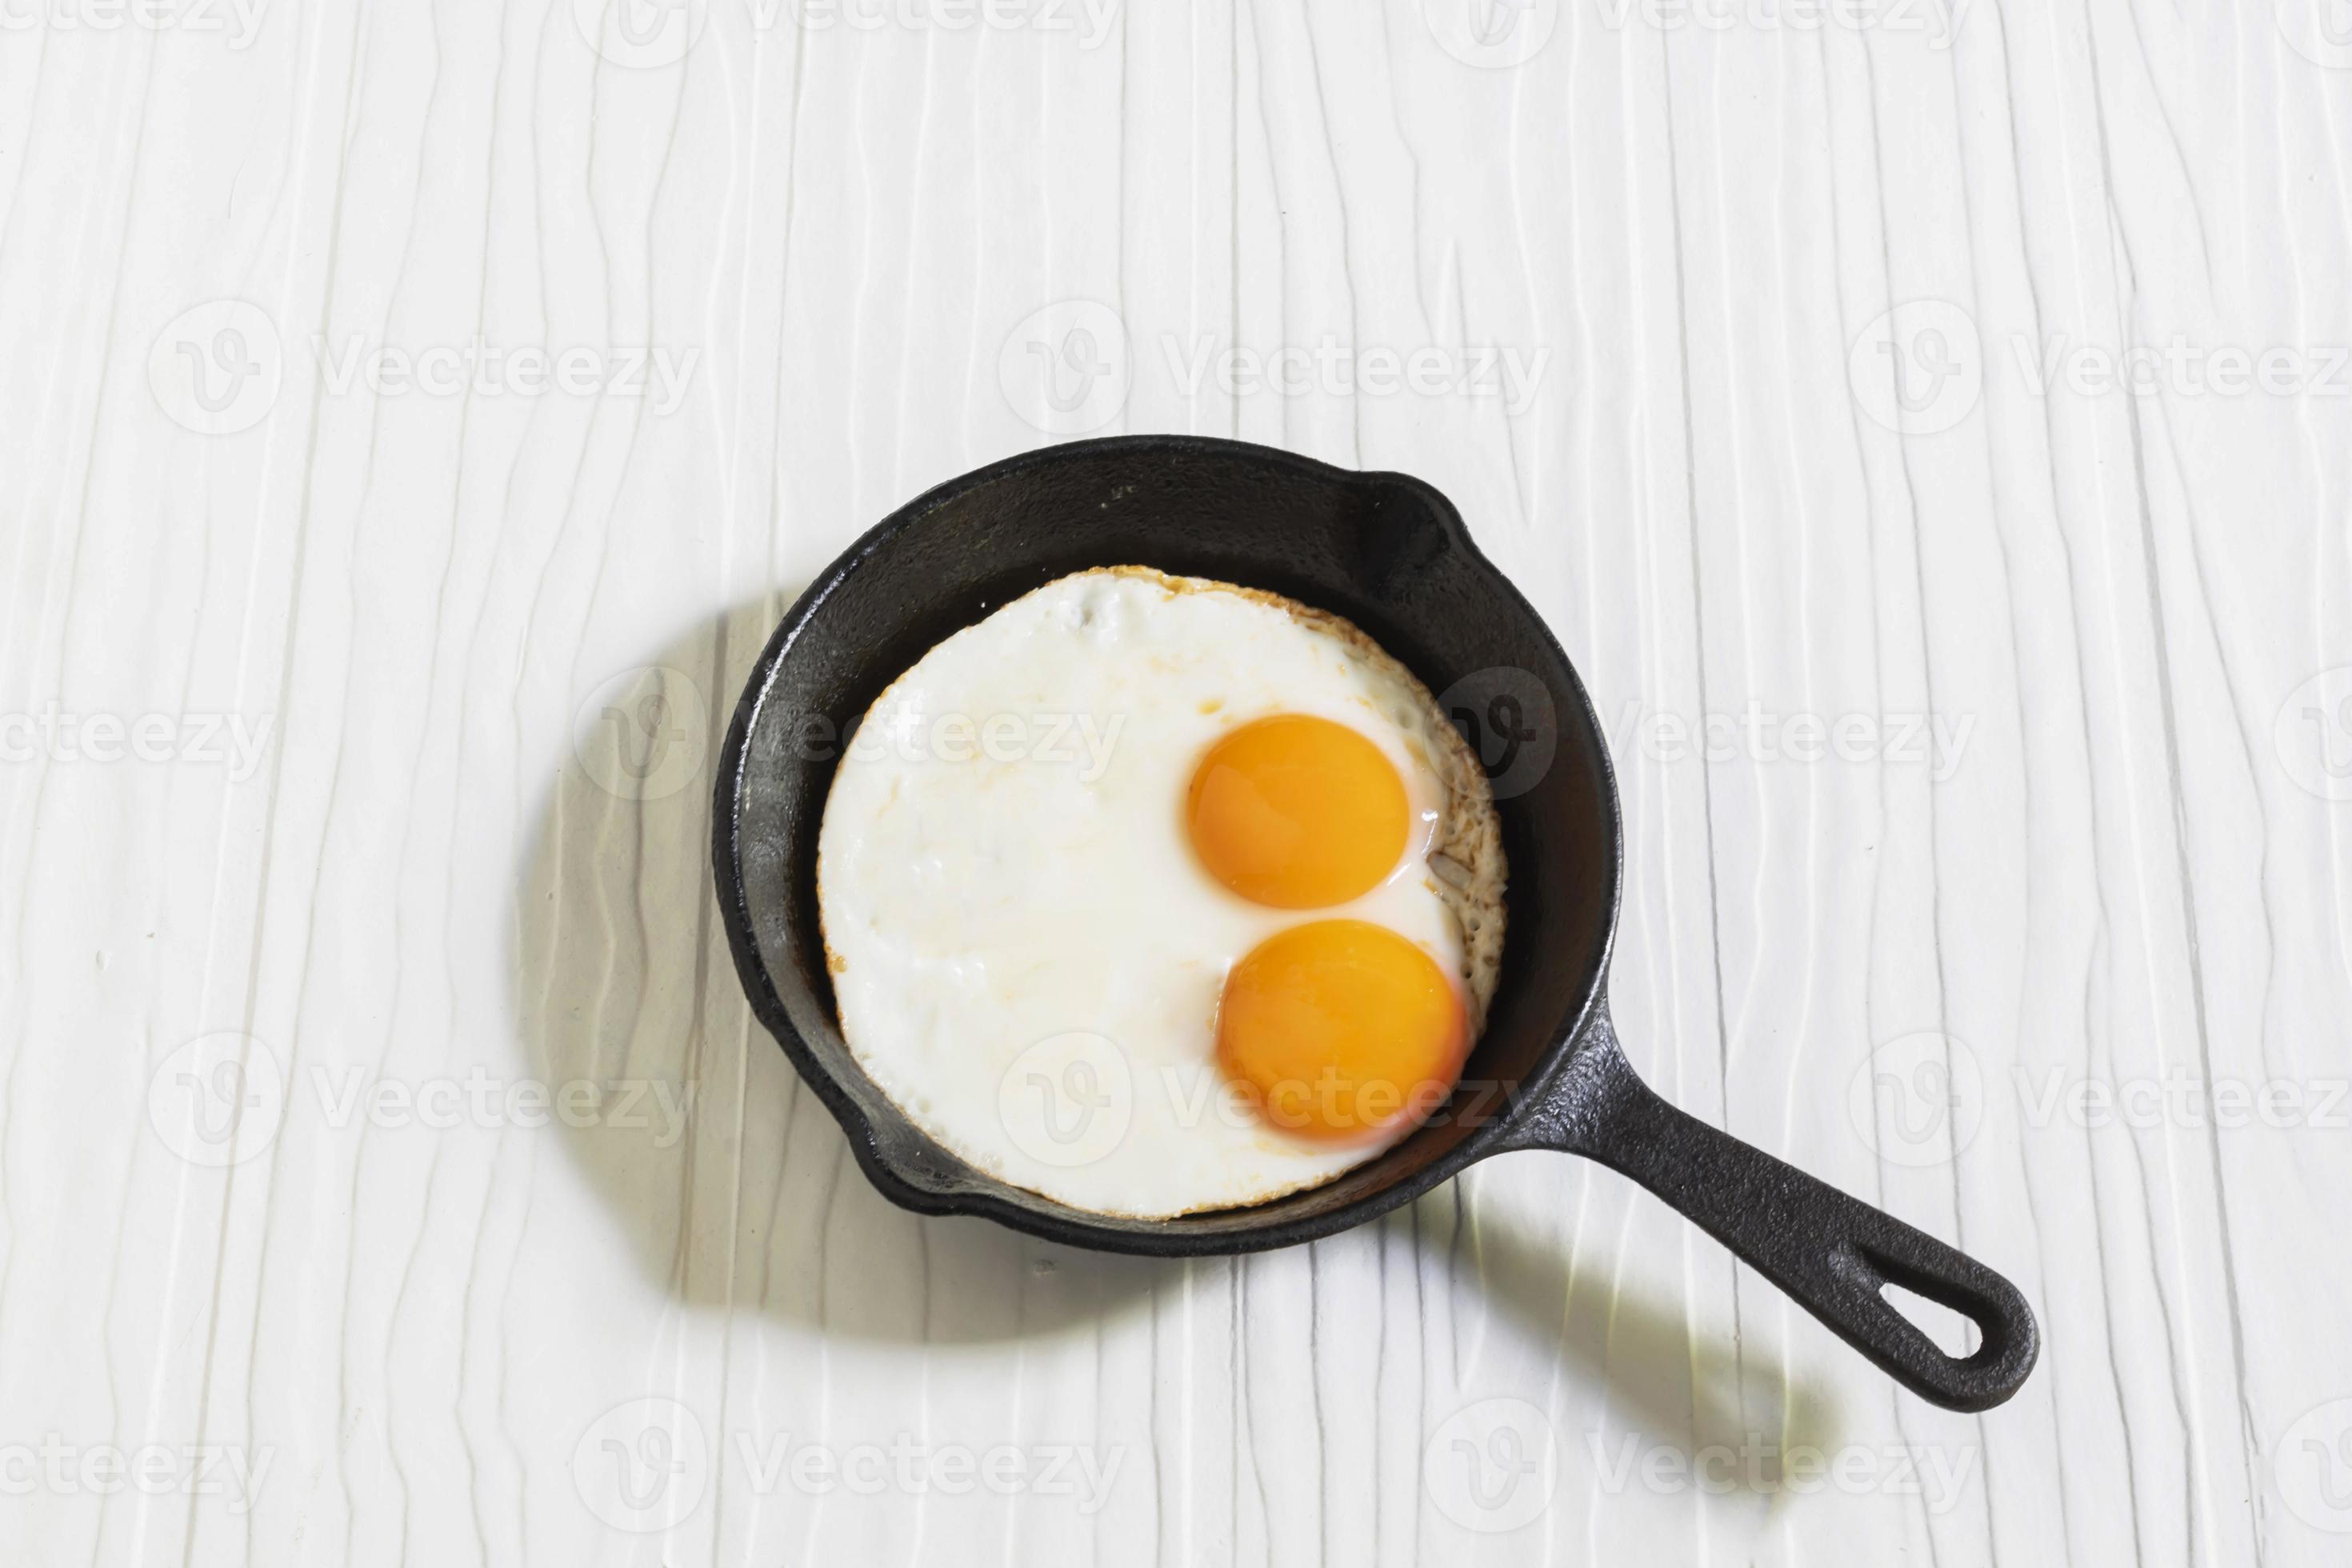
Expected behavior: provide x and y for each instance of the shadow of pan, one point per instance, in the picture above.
(1661, 1380)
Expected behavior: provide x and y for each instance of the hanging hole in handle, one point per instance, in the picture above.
(1949, 1329)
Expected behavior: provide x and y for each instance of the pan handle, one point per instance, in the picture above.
(1832, 1253)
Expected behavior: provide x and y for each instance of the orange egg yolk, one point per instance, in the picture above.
(1339, 1029)
(1298, 813)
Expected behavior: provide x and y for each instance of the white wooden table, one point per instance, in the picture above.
(386, 388)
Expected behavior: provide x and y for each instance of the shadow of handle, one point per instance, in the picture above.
(1832, 1253)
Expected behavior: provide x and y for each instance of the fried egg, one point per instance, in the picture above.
(1156, 895)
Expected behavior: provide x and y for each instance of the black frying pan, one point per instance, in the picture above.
(1392, 554)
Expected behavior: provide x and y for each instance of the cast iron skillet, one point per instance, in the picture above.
(1392, 554)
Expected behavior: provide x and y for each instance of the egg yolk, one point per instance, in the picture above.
(1339, 1029)
(1298, 813)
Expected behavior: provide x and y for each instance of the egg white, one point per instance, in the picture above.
(1027, 955)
